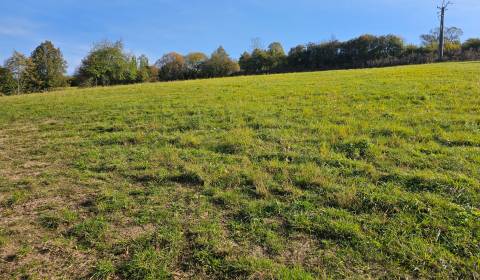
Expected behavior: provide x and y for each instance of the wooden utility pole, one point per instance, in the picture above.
(441, 43)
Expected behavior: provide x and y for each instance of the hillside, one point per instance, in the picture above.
(340, 174)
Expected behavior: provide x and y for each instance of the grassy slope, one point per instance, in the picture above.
(369, 173)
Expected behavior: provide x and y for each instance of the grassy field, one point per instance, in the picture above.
(341, 174)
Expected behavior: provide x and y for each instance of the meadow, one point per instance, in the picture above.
(328, 175)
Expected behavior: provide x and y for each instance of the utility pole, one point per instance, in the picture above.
(441, 43)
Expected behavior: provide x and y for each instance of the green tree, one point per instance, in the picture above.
(261, 61)
(220, 64)
(276, 56)
(389, 46)
(131, 70)
(106, 64)
(8, 85)
(17, 64)
(360, 50)
(324, 55)
(297, 58)
(276, 49)
(143, 73)
(246, 64)
(49, 67)
(472, 44)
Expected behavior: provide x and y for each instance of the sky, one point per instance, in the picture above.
(156, 27)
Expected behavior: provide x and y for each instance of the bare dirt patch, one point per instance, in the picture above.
(28, 249)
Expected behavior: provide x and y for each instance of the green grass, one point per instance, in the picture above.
(342, 174)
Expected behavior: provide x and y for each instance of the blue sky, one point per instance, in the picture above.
(154, 27)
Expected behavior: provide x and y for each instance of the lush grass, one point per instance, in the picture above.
(342, 174)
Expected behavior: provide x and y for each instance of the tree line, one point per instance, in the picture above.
(108, 63)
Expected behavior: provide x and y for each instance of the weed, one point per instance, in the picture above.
(90, 232)
(103, 270)
(50, 221)
(145, 265)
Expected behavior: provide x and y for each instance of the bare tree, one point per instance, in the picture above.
(256, 44)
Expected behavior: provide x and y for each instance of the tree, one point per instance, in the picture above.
(153, 73)
(276, 56)
(452, 49)
(472, 44)
(360, 50)
(143, 72)
(256, 43)
(245, 63)
(260, 61)
(430, 40)
(106, 64)
(276, 49)
(8, 85)
(17, 65)
(49, 67)
(263, 61)
(297, 58)
(131, 71)
(220, 64)
(325, 55)
(194, 63)
(452, 35)
(389, 46)
(171, 67)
